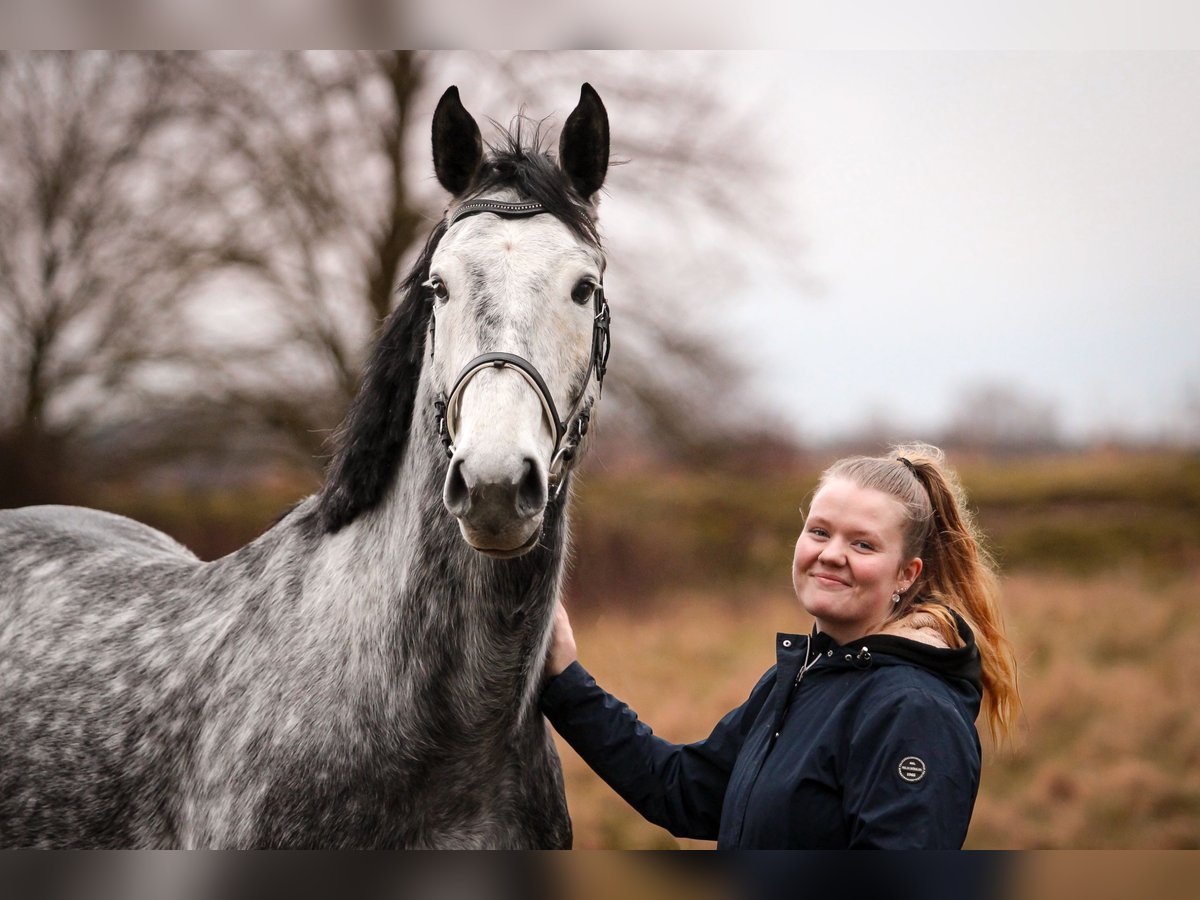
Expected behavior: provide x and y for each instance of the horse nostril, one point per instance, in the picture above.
(456, 495)
(531, 490)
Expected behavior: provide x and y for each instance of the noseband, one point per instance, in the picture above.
(568, 431)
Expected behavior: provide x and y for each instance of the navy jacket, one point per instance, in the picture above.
(874, 745)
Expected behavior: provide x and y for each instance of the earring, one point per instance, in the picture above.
(896, 598)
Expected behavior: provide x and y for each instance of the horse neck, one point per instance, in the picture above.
(415, 597)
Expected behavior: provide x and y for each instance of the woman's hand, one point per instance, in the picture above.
(562, 643)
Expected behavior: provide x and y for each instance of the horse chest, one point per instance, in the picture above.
(506, 796)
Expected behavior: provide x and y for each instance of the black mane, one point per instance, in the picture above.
(372, 438)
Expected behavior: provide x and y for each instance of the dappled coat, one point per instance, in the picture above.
(366, 673)
(871, 745)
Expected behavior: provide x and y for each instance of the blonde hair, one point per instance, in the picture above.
(957, 573)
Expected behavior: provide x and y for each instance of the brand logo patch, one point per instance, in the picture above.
(912, 768)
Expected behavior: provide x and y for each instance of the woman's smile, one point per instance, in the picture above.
(827, 579)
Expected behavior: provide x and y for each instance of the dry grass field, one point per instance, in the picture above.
(1101, 556)
(1108, 753)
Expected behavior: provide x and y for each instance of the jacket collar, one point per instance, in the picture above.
(960, 666)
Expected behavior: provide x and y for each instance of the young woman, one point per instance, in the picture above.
(863, 733)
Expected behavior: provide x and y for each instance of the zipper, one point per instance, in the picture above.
(804, 667)
(750, 783)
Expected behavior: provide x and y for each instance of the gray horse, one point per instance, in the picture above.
(366, 673)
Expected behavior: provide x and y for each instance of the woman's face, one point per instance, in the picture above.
(850, 559)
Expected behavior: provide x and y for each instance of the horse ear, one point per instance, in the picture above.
(583, 146)
(457, 147)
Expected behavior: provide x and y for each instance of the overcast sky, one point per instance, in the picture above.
(1026, 218)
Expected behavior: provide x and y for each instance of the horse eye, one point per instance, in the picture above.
(583, 292)
(438, 288)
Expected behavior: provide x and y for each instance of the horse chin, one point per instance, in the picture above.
(498, 547)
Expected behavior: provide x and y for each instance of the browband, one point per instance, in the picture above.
(509, 210)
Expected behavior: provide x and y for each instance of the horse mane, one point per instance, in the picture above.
(371, 440)
(374, 434)
(524, 165)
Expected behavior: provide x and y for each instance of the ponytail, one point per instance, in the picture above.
(957, 573)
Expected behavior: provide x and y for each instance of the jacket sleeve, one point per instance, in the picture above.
(912, 774)
(680, 787)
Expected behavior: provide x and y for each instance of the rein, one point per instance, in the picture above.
(569, 431)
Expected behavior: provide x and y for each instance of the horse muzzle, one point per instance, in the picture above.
(499, 511)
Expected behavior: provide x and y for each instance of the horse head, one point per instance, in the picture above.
(518, 325)
(503, 323)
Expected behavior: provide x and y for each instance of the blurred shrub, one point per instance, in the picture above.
(211, 521)
(640, 534)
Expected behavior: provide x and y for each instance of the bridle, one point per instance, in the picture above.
(569, 431)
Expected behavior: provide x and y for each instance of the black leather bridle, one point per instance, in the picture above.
(568, 431)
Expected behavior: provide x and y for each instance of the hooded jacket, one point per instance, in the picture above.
(872, 744)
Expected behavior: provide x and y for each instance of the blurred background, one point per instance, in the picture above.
(810, 255)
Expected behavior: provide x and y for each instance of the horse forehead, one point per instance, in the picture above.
(535, 245)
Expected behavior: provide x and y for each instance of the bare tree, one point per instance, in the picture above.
(1003, 418)
(1186, 430)
(105, 231)
(258, 210)
(342, 193)
(696, 209)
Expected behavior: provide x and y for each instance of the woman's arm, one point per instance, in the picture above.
(678, 786)
(912, 773)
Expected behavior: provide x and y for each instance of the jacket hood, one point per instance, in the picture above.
(960, 667)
